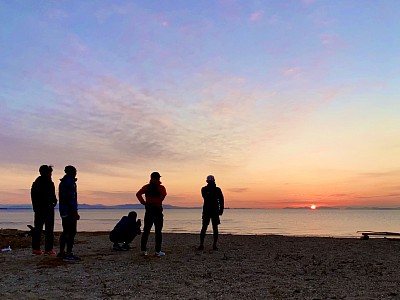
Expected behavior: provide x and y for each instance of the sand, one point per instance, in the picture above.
(244, 267)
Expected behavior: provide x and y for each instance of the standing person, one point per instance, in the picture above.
(69, 213)
(213, 207)
(43, 196)
(155, 194)
(125, 231)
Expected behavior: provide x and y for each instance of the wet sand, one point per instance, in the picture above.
(244, 267)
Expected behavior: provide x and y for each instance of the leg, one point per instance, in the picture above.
(115, 237)
(215, 221)
(49, 227)
(148, 223)
(206, 221)
(64, 234)
(127, 240)
(37, 231)
(71, 233)
(158, 224)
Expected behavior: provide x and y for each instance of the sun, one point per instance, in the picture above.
(313, 206)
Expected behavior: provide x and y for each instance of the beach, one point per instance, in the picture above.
(244, 267)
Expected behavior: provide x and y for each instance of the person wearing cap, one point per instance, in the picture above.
(43, 196)
(155, 194)
(68, 208)
(213, 207)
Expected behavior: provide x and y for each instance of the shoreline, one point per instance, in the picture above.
(57, 233)
(244, 267)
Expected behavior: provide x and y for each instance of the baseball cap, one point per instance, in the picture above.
(155, 175)
(210, 178)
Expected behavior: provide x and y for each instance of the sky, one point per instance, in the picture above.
(286, 103)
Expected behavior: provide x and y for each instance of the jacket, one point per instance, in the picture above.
(68, 197)
(155, 194)
(213, 200)
(43, 194)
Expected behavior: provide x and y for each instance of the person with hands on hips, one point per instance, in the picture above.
(155, 194)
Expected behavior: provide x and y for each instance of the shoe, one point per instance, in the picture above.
(160, 254)
(37, 252)
(117, 247)
(125, 246)
(144, 253)
(61, 254)
(51, 252)
(201, 247)
(71, 257)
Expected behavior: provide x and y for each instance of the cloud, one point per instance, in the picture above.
(290, 71)
(19, 196)
(391, 173)
(57, 14)
(340, 195)
(106, 121)
(256, 16)
(104, 13)
(238, 190)
(107, 197)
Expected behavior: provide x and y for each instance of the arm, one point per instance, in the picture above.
(163, 192)
(34, 196)
(74, 198)
(221, 202)
(203, 192)
(140, 193)
(138, 225)
(53, 194)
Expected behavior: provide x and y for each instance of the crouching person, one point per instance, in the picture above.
(125, 231)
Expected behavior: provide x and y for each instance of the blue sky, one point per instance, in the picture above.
(285, 102)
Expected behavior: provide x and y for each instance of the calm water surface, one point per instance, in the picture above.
(298, 222)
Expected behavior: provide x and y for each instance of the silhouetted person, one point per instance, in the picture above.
(43, 195)
(125, 231)
(68, 207)
(213, 207)
(155, 194)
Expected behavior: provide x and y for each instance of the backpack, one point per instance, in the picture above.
(152, 191)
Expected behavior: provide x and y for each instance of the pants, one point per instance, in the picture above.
(119, 237)
(206, 221)
(156, 217)
(45, 218)
(67, 237)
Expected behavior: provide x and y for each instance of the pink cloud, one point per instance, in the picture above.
(256, 16)
(289, 71)
(329, 39)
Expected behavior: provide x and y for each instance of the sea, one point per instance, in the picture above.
(289, 222)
